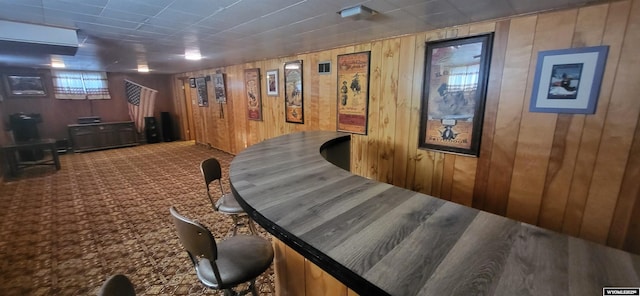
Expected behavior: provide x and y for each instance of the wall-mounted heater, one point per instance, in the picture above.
(39, 39)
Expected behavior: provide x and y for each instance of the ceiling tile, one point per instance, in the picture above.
(142, 8)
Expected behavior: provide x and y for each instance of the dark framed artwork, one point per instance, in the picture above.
(272, 82)
(353, 92)
(252, 89)
(568, 80)
(454, 92)
(192, 82)
(201, 90)
(219, 88)
(293, 92)
(25, 86)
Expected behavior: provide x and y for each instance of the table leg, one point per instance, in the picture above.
(54, 154)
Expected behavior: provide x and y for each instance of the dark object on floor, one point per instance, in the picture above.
(117, 285)
(227, 203)
(228, 263)
(151, 130)
(167, 127)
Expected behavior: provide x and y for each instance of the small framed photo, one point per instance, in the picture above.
(192, 82)
(568, 80)
(272, 82)
(25, 86)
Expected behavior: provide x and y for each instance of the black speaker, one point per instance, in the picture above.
(151, 130)
(167, 127)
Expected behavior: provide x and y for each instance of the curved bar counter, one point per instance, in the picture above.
(379, 239)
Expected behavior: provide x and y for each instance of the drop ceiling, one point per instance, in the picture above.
(120, 35)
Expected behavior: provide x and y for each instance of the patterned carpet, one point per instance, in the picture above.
(107, 212)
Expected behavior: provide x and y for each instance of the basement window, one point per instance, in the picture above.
(77, 85)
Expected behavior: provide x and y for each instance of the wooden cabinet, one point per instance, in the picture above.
(96, 136)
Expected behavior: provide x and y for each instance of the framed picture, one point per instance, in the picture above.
(568, 80)
(218, 86)
(293, 92)
(201, 89)
(353, 92)
(252, 89)
(25, 86)
(192, 82)
(453, 94)
(272, 82)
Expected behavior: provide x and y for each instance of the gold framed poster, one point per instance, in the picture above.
(453, 96)
(353, 92)
(293, 93)
(252, 89)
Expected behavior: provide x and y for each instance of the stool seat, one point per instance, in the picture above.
(229, 204)
(239, 257)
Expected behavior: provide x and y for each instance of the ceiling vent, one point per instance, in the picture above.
(37, 39)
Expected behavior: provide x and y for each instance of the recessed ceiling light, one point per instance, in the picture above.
(143, 68)
(57, 62)
(192, 55)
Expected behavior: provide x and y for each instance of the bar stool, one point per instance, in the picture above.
(228, 263)
(227, 203)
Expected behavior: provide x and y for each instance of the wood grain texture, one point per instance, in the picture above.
(555, 173)
(617, 17)
(516, 69)
(403, 109)
(381, 239)
(536, 129)
(494, 85)
(616, 142)
(566, 142)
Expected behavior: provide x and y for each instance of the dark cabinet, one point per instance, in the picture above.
(87, 137)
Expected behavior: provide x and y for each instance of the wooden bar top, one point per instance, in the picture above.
(380, 239)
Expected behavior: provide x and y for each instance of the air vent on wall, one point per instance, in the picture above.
(324, 67)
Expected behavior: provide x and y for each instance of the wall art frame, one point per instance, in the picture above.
(252, 90)
(454, 93)
(353, 92)
(272, 82)
(568, 80)
(201, 90)
(219, 88)
(25, 85)
(293, 92)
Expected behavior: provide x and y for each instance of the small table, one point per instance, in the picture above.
(10, 153)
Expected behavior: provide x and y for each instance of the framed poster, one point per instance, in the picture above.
(252, 89)
(272, 82)
(192, 82)
(218, 86)
(353, 92)
(201, 89)
(293, 92)
(453, 94)
(25, 86)
(568, 80)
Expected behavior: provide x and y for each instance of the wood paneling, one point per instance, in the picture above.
(570, 173)
(297, 276)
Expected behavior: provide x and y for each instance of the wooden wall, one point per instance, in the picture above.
(576, 174)
(57, 114)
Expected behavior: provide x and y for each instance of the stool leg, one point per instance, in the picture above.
(235, 224)
(252, 227)
(252, 287)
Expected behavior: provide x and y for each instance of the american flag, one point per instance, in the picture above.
(141, 101)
